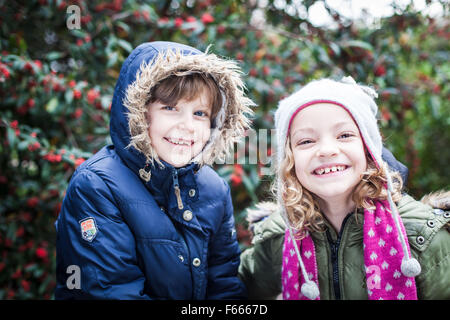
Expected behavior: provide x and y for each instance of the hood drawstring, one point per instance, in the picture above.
(309, 289)
(410, 266)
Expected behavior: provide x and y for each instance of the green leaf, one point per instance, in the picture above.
(51, 106)
(358, 44)
(68, 96)
(54, 55)
(22, 145)
(125, 45)
(112, 59)
(11, 137)
(250, 187)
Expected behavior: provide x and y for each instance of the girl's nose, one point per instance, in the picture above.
(327, 148)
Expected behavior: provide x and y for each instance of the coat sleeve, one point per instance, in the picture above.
(224, 259)
(105, 255)
(260, 269)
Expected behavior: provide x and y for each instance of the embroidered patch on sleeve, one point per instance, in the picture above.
(88, 229)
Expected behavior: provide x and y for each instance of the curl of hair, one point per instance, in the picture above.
(302, 208)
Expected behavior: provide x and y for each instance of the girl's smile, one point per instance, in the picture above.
(330, 170)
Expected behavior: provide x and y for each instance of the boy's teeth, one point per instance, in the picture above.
(181, 142)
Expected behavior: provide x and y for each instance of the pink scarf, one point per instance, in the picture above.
(382, 258)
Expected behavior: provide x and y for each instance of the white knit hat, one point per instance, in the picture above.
(359, 102)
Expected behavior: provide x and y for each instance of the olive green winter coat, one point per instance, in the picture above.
(428, 236)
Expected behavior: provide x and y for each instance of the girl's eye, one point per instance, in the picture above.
(169, 108)
(346, 135)
(304, 142)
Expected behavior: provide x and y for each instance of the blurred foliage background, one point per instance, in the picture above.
(56, 86)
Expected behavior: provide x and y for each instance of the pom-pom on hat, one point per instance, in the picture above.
(359, 102)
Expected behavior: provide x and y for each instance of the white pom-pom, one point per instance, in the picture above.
(410, 267)
(348, 80)
(310, 290)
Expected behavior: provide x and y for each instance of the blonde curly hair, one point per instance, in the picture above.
(302, 208)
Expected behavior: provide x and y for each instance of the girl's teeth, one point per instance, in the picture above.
(328, 170)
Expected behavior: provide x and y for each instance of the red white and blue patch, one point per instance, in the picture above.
(88, 229)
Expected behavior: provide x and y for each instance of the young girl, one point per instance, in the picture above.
(350, 232)
(146, 217)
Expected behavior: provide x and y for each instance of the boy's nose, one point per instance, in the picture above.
(187, 122)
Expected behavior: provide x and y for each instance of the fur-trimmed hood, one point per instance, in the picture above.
(153, 62)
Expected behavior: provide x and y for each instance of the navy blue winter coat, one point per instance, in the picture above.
(128, 234)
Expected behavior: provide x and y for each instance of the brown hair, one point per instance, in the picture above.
(302, 208)
(188, 87)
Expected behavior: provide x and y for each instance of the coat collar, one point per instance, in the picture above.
(162, 180)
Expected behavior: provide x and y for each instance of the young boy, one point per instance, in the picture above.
(145, 217)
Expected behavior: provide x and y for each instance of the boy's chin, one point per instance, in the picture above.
(179, 161)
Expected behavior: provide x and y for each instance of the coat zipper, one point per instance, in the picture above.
(334, 258)
(176, 187)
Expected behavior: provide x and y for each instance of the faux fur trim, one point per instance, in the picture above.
(227, 75)
(263, 210)
(438, 200)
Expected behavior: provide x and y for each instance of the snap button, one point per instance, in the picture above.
(192, 193)
(196, 262)
(187, 215)
(181, 258)
(447, 214)
(430, 223)
(420, 240)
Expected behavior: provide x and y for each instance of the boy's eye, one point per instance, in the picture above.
(170, 108)
(200, 113)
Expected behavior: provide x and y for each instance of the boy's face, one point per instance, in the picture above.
(179, 133)
(328, 151)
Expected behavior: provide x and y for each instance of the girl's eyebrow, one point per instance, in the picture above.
(337, 125)
(343, 123)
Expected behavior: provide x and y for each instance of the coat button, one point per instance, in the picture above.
(196, 262)
(181, 258)
(192, 193)
(187, 215)
(420, 240)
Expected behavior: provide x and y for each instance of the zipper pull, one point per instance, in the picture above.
(176, 187)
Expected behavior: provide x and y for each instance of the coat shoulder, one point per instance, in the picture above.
(428, 229)
(422, 221)
(265, 221)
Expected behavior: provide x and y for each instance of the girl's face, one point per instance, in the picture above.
(179, 133)
(328, 151)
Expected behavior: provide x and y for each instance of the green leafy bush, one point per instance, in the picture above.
(56, 87)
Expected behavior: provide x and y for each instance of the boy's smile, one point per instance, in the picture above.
(179, 133)
(328, 153)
